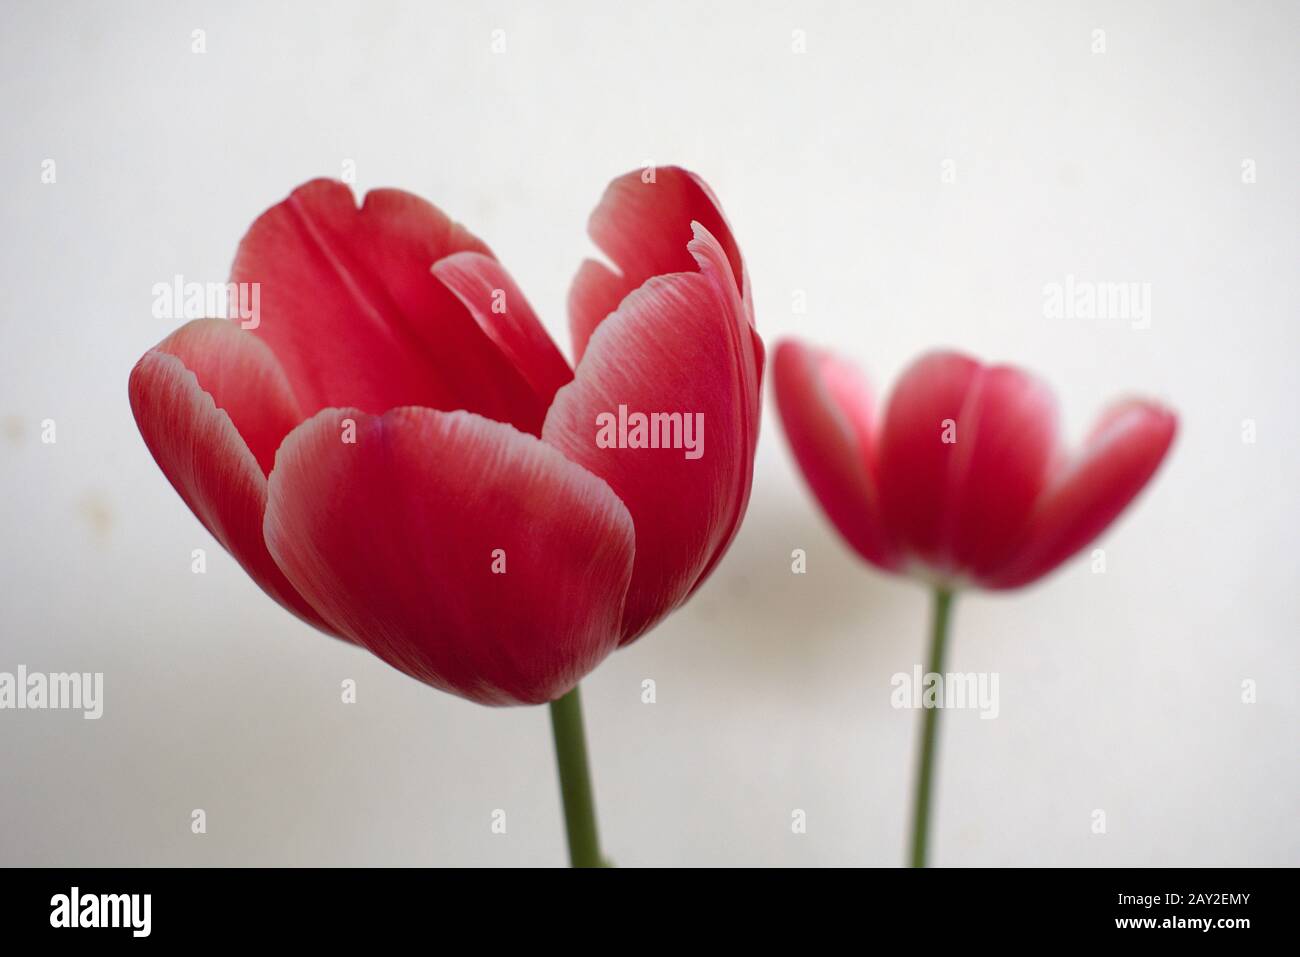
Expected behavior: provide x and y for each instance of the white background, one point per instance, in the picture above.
(1119, 691)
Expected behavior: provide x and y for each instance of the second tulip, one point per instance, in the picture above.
(961, 483)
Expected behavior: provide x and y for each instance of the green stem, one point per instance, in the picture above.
(930, 728)
(575, 781)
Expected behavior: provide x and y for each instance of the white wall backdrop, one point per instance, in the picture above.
(1119, 691)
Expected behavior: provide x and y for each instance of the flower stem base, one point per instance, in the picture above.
(575, 781)
(930, 729)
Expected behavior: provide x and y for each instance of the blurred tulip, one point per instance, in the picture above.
(962, 481)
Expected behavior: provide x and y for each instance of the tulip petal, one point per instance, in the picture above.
(501, 311)
(1088, 493)
(828, 414)
(681, 343)
(398, 538)
(204, 456)
(917, 459)
(243, 378)
(643, 225)
(349, 306)
(1007, 439)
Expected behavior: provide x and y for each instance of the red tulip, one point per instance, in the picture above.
(962, 480)
(400, 455)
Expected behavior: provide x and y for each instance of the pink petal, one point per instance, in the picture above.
(501, 311)
(644, 228)
(716, 267)
(244, 379)
(394, 538)
(681, 343)
(828, 415)
(203, 455)
(916, 466)
(350, 308)
(1007, 437)
(1088, 493)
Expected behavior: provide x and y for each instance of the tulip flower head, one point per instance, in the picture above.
(398, 453)
(962, 481)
